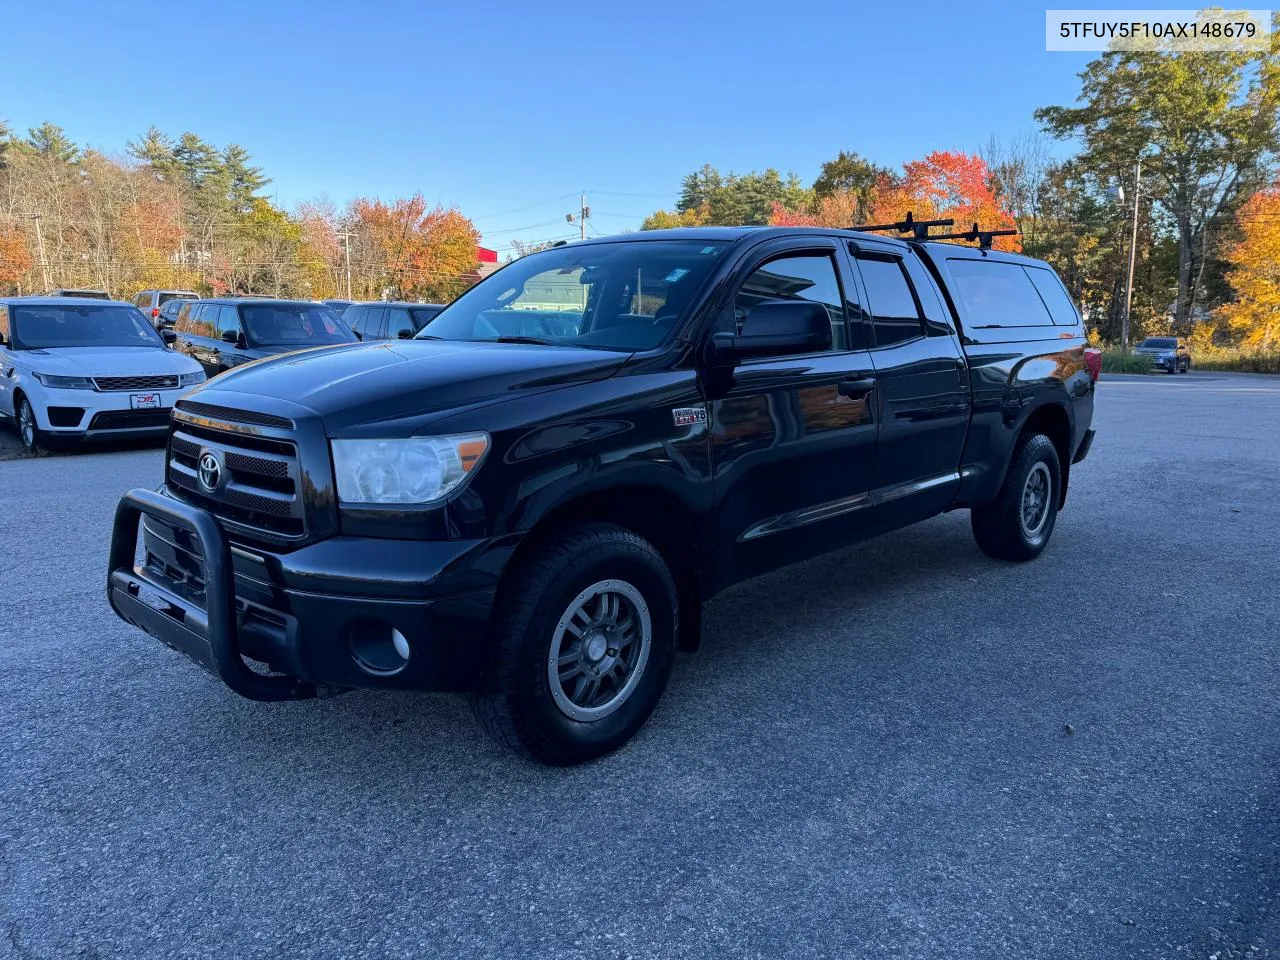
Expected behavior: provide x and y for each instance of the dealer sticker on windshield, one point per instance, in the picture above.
(687, 416)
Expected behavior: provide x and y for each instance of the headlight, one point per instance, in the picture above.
(65, 383)
(417, 470)
(191, 379)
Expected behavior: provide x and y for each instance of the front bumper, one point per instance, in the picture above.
(310, 615)
(101, 414)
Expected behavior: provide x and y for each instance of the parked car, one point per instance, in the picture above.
(81, 294)
(150, 302)
(381, 320)
(531, 501)
(226, 332)
(168, 317)
(337, 306)
(1170, 354)
(82, 369)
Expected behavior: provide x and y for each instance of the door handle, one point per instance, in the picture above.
(857, 389)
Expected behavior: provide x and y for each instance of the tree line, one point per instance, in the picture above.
(1202, 129)
(180, 213)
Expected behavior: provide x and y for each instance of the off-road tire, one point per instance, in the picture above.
(516, 705)
(999, 526)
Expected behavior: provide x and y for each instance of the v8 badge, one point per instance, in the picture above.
(688, 416)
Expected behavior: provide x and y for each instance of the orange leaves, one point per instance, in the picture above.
(944, 184)
(1255, 272)
(15, 259)
(425, 252)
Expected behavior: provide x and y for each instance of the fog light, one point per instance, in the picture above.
(378, 648)
(400, 643)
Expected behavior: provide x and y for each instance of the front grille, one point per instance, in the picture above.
(236, 416)
(261, 486)
(129, 419)
(136, 383)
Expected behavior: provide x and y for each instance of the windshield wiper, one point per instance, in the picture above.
(514, 339)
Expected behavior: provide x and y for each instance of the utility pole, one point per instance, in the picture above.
(346, 246)
(581, 218)
(1133, 252)
(44, 262)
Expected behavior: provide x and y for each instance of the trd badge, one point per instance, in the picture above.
(687, 416)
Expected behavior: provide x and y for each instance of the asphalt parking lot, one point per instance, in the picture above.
(869, 757)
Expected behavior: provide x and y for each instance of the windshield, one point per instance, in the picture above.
(81, 325)
(293, 324)
(613, 296)
(1164, 343)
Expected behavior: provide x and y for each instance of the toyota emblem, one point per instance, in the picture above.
(209, 471)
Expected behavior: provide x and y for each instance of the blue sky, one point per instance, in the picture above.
(498, 105)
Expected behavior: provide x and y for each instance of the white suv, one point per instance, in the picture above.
(77, 369)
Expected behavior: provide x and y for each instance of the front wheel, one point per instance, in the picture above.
(1018, 523)
(585, 641)
(28, 430)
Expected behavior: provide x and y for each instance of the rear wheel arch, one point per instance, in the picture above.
(1052, 420)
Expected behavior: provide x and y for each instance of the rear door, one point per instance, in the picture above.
(922, 400)
(792, 453)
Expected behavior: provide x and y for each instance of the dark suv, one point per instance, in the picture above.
(389, 321)
(531, 500)
(227, 332)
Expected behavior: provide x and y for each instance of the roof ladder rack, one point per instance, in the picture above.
(983, 238)
(919, 229)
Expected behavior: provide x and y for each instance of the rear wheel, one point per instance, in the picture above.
(586, 638)
(28, 430)
(1018, 523)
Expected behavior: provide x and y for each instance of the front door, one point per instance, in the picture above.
(792, 438)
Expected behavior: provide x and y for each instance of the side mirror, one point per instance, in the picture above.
(230, 336)
(776, 328)
(404, 334)
(357, 334)
(168, 336)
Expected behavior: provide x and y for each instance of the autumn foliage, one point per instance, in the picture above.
(1254, 316)
(943, 184)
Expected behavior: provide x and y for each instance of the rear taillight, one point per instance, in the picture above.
(1093, 360)
(155, 312)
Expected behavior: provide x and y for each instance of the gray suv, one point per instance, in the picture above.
(150, 301)
(1169, 354)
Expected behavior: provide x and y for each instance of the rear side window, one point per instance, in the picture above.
(183, 323)
(1055, 296)
(142, 300)
(895, 312)
(166, 297)
(998, 294)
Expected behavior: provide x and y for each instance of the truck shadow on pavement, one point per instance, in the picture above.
(804, 617)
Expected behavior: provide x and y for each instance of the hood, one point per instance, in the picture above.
(360, 384)
(1155, 351)
(108, 361)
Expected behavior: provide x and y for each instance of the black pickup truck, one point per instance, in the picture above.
(531, 500)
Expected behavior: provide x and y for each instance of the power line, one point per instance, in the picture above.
(540, 203)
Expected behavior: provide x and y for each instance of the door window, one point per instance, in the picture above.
(228, 321)
(373, 323)
(398, 320)
(802, 277)
(355, 319)
(895, 311)
(4, 323)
